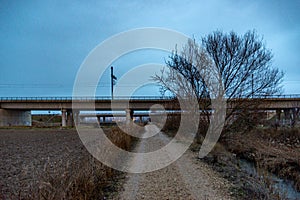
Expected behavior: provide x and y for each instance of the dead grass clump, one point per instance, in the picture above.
(73, 181)
(120, 139)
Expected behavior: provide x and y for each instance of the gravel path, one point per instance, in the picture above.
(186, 178)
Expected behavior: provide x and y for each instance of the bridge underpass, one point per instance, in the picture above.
(15, 111)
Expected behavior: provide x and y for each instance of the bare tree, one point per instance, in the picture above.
(186, 77)
(238, 58)
(245, 65)
(242, 63)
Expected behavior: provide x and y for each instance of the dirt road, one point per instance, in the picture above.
(186, 178)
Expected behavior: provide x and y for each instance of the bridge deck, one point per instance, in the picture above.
(135, 102)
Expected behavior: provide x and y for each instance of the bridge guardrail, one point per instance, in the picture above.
(2, 99)
(279, 96)
(7, 99)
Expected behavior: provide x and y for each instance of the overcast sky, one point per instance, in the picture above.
(43, 43)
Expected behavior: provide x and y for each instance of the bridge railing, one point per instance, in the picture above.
(69, 98)
(2, 99)
(279, 96)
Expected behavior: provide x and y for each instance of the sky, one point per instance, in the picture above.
(44, 43)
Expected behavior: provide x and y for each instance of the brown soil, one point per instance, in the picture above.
(50, 163)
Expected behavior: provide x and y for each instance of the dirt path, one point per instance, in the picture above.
(186, 178)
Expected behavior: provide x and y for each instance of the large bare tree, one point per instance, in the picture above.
(185, 77)
(241, 63)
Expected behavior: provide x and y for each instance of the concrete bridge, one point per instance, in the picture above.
(17, 110)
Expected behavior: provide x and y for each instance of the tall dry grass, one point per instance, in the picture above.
(86, 179)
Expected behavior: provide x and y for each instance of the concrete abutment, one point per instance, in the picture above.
(15, 117)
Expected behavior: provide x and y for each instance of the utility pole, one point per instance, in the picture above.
(112, 79)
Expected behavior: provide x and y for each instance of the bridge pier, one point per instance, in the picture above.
(290, 117)
(141, 119)
(278, 117)
(99, 120)
(294, 116)
(76, 117)
(63, 118)
(129, 115)
(70, 118)
(15, 117)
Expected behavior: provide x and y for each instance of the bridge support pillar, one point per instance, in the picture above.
(70, 118)
(103, 118)
(76, 117)
(99, 120)
(129, 114)
(278, 117)
(294, 116)
(15, 117)
(63, 118)
(287, 116)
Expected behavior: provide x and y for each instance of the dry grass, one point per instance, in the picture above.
(276, 151)
(85, 181)
(79, 177)
(90, 180)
